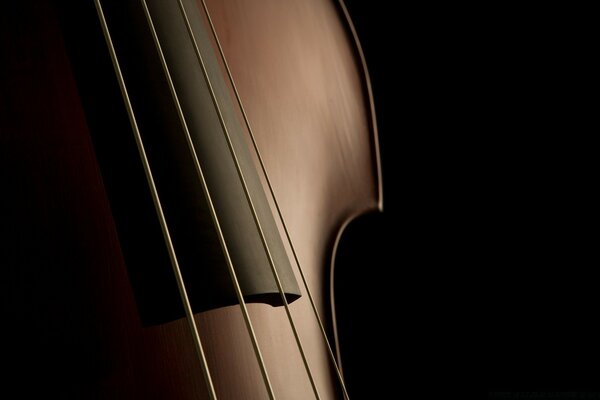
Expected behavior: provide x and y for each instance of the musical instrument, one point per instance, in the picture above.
(176, 176)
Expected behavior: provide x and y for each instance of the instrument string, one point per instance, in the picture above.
(248, 197)
(213, 213)
(275, 202)
(157, 204)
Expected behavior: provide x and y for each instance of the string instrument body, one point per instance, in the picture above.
(79, 319)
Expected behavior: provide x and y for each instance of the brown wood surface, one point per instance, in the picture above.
(68, 305)
(302, 86)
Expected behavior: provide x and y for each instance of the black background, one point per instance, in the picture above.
(479, 275)
(397, 272)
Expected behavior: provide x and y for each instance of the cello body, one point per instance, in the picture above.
(69, 299)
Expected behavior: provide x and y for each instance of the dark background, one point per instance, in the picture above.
(479, 275)
(397, 272)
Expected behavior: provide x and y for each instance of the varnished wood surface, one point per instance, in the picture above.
(301, 84)
(67, 302)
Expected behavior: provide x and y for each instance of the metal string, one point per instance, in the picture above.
(248, 197)
(276, 203)
(215, 219)
(157, 204)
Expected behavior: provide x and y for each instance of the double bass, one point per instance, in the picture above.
(176, 176)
